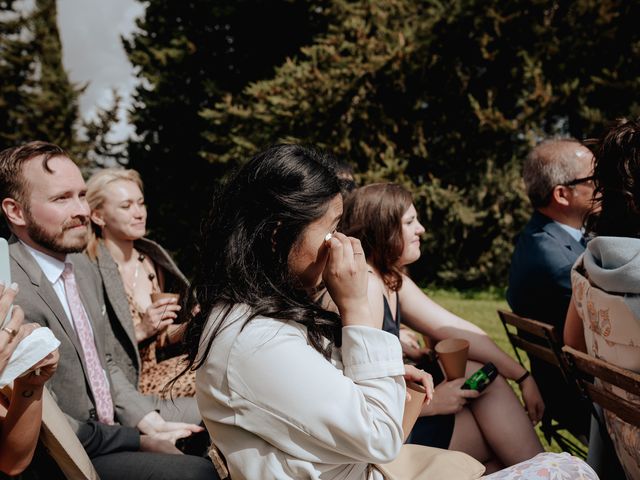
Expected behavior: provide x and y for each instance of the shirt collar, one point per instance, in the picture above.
(576, 233)
(51, 267)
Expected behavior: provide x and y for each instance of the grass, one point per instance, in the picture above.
(480, 309)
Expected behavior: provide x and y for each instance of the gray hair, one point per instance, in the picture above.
(550, 163)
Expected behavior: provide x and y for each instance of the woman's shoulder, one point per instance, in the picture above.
(265, 329)
(376, 284)
(102, 257)
(160, 257)
(250, 330)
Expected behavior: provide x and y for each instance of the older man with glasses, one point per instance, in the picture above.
(558, 181)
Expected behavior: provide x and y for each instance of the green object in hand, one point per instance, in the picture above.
(482, 378)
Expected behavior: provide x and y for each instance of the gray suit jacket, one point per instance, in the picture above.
(70, 384)
(125, 347)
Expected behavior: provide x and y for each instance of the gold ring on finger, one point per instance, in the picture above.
(12, 333)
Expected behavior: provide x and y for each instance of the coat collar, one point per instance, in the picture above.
(549, 226)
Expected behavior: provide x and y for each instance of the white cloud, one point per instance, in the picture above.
(93, 54)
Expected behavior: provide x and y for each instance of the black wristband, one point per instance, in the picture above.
(523, 377)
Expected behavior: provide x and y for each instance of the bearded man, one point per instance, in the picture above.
(42, 194)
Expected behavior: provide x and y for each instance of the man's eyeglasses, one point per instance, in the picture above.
(578, 181)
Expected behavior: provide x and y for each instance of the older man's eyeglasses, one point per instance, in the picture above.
(578, 181)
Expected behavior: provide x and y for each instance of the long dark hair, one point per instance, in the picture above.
(256, 220)
(617, 182)
(373, 214)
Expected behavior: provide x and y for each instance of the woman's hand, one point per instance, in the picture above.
(345, 275)
(416, 375)
(39, 373)
(158, 316)
(449, 398)
(13, 332)
(408, 339)
(154, 425)
(533, 402)
(410, 346)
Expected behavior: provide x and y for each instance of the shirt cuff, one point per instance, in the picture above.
(369, 353)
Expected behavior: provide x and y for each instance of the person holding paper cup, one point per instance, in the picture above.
(138, 275)
(492, 426)
(21, 414)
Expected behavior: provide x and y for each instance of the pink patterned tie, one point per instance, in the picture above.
(97, 379)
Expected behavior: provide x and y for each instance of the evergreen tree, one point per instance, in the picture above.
(38, 101)
(187, 53)
(16, 71)
(446, 97)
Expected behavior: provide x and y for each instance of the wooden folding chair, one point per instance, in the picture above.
(547, 348)
(587, 366)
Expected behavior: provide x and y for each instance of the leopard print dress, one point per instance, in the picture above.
(154, 374)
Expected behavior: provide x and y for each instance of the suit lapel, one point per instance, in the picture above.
(560, 234)
(44, 289)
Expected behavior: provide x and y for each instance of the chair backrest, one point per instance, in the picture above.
(587, 366)
(549, 347)
(62, 443)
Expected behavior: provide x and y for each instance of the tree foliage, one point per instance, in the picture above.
(37, 100)
(187, 53)
(447, 98)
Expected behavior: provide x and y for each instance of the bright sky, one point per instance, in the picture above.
(92, 51)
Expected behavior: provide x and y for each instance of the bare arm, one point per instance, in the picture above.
(573, 329)
(425, 316)
(20, 428)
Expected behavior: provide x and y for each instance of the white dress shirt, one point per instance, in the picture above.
(52, 269)
(277, 409)
(576, 233)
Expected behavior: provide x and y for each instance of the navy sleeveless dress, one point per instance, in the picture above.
(431, 431)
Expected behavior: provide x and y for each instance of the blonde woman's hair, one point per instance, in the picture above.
(96, 196)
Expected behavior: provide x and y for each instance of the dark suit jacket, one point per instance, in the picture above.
(70, 384)
(540, 288)
(125, 347)
(540, 275)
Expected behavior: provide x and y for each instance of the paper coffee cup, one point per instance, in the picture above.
(162, 295)
(453, 353)
(413, 407)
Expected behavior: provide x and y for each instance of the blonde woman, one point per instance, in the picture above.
(132, 269)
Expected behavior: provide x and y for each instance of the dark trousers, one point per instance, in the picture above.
(153, 466)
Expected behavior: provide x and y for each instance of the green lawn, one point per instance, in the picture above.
(481, 309)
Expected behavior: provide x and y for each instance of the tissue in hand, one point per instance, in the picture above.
(33, 348)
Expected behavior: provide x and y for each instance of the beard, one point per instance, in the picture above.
(57, 242)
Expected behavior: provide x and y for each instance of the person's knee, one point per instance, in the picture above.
(154, 466)
(472, 367)
(500, 386)
(199, 468)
